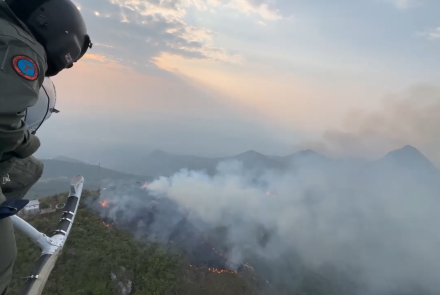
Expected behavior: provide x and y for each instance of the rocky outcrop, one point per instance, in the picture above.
(123, 280)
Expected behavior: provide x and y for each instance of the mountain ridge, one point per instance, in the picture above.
(164, 163)
(57, 174)
(253, 159)
(67, 159)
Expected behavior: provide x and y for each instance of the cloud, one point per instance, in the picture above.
(177, 9)
(404, 4)
(104, 45)
(432, 34)
(105, 61)
(136, 31)
(411, 118)
(264, 8)
(262, 23)
(170, 10)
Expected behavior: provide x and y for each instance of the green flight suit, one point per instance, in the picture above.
(23, 66)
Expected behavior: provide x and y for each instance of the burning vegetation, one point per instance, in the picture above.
(108, 224)
(161, 220)
(213, 270)
(107, 221)
(202, 255)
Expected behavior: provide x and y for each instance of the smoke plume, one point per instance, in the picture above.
(356, 229)
(410, 118)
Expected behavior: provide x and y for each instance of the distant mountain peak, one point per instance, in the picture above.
(159, 153)
(407, 150)
(410, 157)
(251, 152)
(307, 152)
(67, 159)
(410, 148)
(255, 160)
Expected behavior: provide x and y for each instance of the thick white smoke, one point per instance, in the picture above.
(409, 118)
(379, 222)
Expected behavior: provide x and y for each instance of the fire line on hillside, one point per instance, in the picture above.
(202, 255)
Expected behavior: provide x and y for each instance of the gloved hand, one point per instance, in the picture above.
(11, 207)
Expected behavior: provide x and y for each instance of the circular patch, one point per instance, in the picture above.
(25, 67)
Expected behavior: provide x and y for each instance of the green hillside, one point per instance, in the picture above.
(98, 258)
(94, 251)
(57, 174)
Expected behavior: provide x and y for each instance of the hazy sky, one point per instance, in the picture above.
(218, 77)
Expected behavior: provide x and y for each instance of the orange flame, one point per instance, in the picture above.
(214, 270)
(104, 203)
(107, 225)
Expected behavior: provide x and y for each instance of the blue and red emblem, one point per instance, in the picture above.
(25, 67)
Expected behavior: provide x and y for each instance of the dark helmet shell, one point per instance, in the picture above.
(59, 26)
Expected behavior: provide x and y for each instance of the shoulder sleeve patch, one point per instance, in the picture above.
(25, 67)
